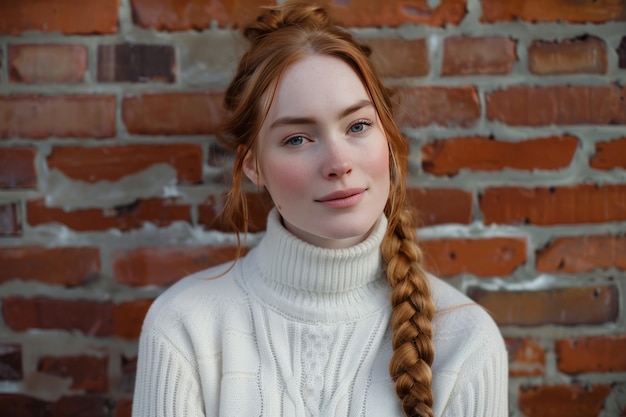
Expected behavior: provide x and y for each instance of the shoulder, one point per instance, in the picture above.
(203, 297)
(462, 328)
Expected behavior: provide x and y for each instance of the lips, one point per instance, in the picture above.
(340, 195)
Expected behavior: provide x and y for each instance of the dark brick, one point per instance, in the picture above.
(10, 224)
(136, 63)
(621, 53)
(10, 362)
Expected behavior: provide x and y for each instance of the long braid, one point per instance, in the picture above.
(412, 313)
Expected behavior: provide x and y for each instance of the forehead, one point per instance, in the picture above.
(317, 84)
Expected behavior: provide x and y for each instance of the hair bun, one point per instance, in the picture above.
(291, 13)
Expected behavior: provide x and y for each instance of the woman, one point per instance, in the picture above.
(303, 324)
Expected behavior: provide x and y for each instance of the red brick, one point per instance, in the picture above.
(396, 58)
(160, 212)
(393, 13)
(112, 163)
(259, 205)
(176, 15)
(172, 113)
(136, 63)
(444, 106)
(165, 265)
(561, 105)
(128, 318)
(573, 56)
(10, 223)
(490, 257)
(582, 253)
(93, 318)
(591, 354)
(49, 265)
(88, 373)
(448, 157)
(39, 117)
(552, 306)
(34, 63)
(609, 155)
(17, 168)
(596, 11)
(83, 17)
(20, 405)
(123, 408)
(428, 202)
(526, 357)
(576, 204)
(563, 400)
(464, 55)
(11, 362)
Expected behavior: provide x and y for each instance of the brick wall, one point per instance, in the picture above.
(110, 181)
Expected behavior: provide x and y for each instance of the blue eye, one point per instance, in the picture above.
(359, 127)
(295, 140)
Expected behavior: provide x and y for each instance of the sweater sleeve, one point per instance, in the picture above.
(482, 387)
(167, 385)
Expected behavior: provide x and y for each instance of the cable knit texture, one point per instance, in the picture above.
(296, 330)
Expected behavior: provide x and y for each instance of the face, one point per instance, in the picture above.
(322, 154)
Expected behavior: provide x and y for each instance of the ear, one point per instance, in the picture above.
(251, 169)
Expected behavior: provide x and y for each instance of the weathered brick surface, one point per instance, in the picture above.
(68, 266)
(526, 357)
(561, 105)
(596, 11)
(591, 354)
(444, 106)
(32, 63)
(574, 56)
(481, 257)
(176, 15)
(428, 202)
(11, 368)
(554, 306)
(160, 212)
(609, 154)
(65, 16)
(550, 206)
(136, 63)
(10, 222)
(172, 113)
(563, 400)
(478, 56)
(582, 254)
(38, 117)
(17, 167)
(448, 157)
(396, 58)
(396, 12)
(88, 373)
(94, 318)
(111, 163)
(166, 265)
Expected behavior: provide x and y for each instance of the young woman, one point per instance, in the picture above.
(331, 314)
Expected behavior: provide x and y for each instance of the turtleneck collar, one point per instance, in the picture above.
(314, 283)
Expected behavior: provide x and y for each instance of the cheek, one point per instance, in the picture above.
(285, 179)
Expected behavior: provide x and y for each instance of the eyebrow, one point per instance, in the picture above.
(296, 120)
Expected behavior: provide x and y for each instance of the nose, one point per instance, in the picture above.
(337, 161)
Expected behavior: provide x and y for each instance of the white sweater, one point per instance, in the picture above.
(296, 330)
